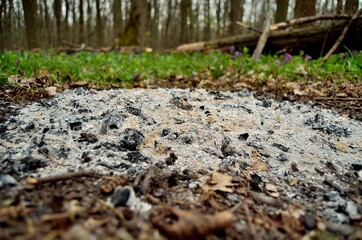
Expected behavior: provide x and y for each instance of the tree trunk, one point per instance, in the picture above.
(184, 9)
(339, 6)
(282, 11)
(89, 22)
(207, 21)
(117, 17)
(81, 22)
(2, 36)
(155, 24)
(66, 19)
(99, 24)
(135, 30)
(351, 6)
(218, 17)
(30, 22)
(58, 20)
(236, 14)
(304, 8)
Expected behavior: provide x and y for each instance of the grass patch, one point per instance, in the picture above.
(124, 68)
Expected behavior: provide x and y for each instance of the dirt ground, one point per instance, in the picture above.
(85, 205)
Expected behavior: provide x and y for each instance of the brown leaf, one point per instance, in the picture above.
(189, 225)
(220, 182)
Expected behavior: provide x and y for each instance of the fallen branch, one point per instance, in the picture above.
(262, 40)
(304, 20)
(62, 177)
(248, 27)
(341, 37)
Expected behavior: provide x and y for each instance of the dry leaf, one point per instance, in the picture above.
(220, 182)
(271, 187)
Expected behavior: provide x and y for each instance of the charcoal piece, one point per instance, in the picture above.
(88, 137)
(281, 147)
(84, 110)
(31, 163)
(244, 93)
(219, 96)
(226, 149)
(282, 158)
(131, 139)
(181, 103)
(255, 144)
(135, 157)
(120, 196)
(45, 130)
(7, 180)
(318, 123)
(111, 122)
(29, 127)
(165, 132)
(148, 120)
(243, 136)
(64, 152)
(3, 129)
(133, 110)
(202, 107)
(255, 181)
(75, 125)
(356, 166)
(265, 103)
(186, 138)
(171, 159)
(243, 165)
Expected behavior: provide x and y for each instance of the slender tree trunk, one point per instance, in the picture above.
(282, 10)
(226, 17)
(30, 22)
(66, 19)
(74, 22)
(99, 24)
(2, 35)
(81, 22)
(184, 11)
(155, 23)
(58, 19)
(218, 17)
(236, 14)
(168, 21)
(117, 17)
(207, 22)
(339, 6)
(89, 22)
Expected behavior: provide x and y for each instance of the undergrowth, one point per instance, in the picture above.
(116, 68)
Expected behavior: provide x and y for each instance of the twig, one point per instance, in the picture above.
(338, 98)
(262, 40)
(248, 27)
(62, 177)
(341, 37)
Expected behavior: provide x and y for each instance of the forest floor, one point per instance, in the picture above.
(74, 205)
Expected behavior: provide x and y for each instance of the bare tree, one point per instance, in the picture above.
(58, 19)
(81, 22)
(99, 24)
(236, 14)
(117, 17)
(282, 10)
(184, 12)
(351, 6)
(304, 8)
(30, 22)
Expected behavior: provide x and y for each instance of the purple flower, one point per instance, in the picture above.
(287, 57)
(237, 54)
(232, 49)
(308, 57)
(354, 52)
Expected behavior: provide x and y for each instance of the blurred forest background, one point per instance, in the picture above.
(158, 24)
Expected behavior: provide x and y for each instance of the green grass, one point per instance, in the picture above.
(121, 68)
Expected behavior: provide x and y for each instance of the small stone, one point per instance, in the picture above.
(282, 157)
(135, 157)
(88, 137)
(244, 93)
(132, 138)
(120, 196)
(294, 167)
(7, 180)
(243, 136)
(171, 159)
(331, 196)
(111, 122)
(181, 103)
(133, 110)
(281, 147)
(192, 185)
(309, 222)
(165, 132)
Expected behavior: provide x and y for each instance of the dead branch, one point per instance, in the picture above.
(262, 39)
(341, 37)
(62, 177)
(303, 20)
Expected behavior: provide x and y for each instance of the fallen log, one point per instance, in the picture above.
(312, 40)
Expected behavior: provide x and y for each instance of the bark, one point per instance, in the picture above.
(30, 22)
(117, 17)
(207, 28)
(339, 6)
(135, 30)
(236, 14)
(218, 17)
(2, 36)
(351, 6)
(89, 22)
(282, 11)
(184, 11)
(155, 23)
(99, 24)
(304, 8)
(58, 20)
(66, 19)
(81, 22)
